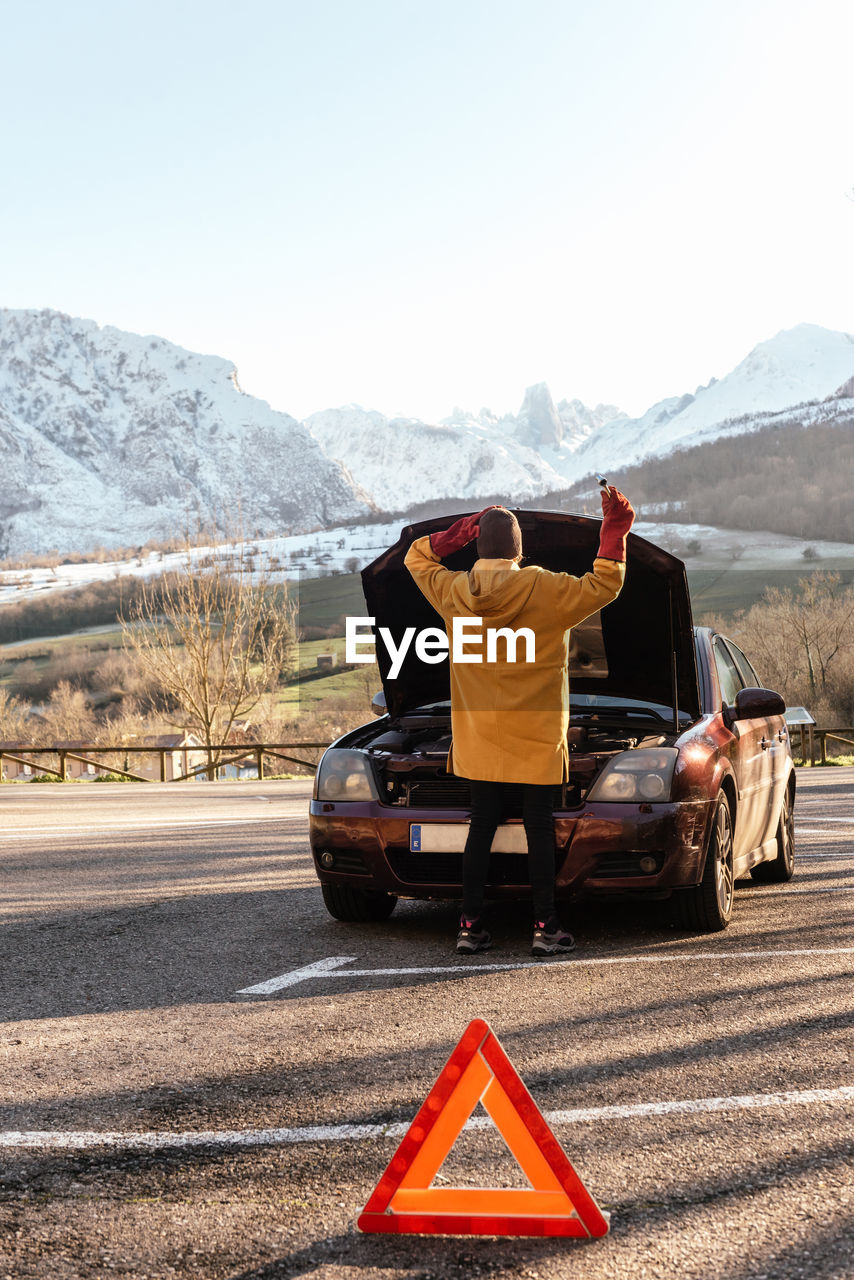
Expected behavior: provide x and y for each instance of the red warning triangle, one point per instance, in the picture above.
(558, 1203)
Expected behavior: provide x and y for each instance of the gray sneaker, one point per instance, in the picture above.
(550, 939)
(472, 937)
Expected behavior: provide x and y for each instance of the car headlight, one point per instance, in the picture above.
(636, 775)
(345, 775)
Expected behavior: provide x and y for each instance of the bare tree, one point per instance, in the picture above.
(126, 727)
(14, 718)
(822, 619)
(214, 636)
(371, 682)
(804, 643)
(67, 716)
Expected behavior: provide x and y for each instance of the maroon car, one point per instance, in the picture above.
(681, 775)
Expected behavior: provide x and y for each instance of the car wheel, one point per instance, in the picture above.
(345, 902)
(781, 868)
(707, 907)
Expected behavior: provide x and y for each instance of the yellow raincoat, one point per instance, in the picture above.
(509, 719)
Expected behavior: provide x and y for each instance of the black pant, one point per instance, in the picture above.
(537, 814)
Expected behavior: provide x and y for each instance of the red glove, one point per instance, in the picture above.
(617, 518)
(460, 534)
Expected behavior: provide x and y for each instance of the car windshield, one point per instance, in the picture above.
(585, 705)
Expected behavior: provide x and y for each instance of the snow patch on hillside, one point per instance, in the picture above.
(348, 549)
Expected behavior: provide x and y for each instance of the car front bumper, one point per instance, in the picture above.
(598, 850)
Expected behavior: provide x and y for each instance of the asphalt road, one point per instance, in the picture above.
(154, 1121)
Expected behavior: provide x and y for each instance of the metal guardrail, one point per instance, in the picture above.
(254, 750)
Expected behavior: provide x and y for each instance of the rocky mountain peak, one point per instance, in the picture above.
(538, 418)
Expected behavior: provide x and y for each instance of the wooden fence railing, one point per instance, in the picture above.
(811, 750)
(225, 753)
(812, 741)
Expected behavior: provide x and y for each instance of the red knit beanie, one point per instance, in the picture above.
(500, 536)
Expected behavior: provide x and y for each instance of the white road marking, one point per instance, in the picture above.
(77, 1140)
(694, 1106)
(769, 893)
(159, 824)
(815, 817)
(319, 969)
(332, 966)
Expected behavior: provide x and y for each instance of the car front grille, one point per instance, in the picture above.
(438, 793)
(444, 791)
(447, 868)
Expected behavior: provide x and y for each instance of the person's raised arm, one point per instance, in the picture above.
(618, 516)
(577, 598)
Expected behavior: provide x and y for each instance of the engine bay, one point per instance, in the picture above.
(411, 753)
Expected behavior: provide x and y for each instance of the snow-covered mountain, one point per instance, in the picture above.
(806, 368)
(403, 461)
(547, 446)
(107, 437)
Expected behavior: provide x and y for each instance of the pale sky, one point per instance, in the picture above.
(416, 204)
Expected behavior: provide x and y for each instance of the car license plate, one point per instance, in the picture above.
(450, 837)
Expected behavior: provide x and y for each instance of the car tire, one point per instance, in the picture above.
(781, 868)
(707, 907)
(355, 905)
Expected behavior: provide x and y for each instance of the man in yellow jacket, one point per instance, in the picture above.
(509, 716)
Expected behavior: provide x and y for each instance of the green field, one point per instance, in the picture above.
(37, 656)
(324, 602)
(309, 688)
(724, 593)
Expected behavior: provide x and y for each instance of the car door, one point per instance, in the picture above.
(778, 734)
(750, 760)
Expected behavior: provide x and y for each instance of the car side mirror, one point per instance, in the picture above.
(378, 704)
(753, 704)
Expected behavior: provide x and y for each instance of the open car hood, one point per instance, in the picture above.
(626, 650)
